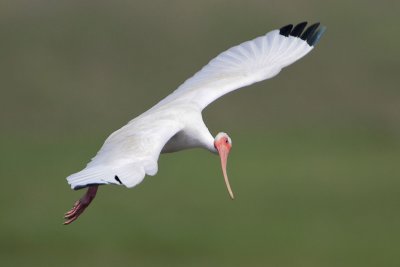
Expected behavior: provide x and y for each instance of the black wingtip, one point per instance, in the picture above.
(308, 33)
(298, 29)
(117, 179)
(313, 41)
(285, 30)
(311, 34)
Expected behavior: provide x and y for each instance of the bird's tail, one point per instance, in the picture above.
(128, 175)
(90, 176)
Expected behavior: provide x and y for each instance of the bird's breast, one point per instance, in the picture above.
(180, 141)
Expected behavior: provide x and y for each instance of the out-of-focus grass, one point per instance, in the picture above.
(327, 198)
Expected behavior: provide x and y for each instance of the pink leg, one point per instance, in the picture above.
(81, 205)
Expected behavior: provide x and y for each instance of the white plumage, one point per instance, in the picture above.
(175, 123)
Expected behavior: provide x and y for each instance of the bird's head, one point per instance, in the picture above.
(223, 144)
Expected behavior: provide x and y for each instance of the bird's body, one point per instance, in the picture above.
(176, 123)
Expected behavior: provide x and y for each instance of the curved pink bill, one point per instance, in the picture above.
(223, 151)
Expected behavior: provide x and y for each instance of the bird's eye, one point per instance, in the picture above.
(226, 140)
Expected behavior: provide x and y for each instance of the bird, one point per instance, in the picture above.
(175, 123)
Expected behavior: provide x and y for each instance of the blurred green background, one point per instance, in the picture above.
(316, 149)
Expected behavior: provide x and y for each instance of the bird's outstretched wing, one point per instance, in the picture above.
(247, 63)
(129, 153)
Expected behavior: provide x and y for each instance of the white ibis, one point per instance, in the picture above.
(175, 123)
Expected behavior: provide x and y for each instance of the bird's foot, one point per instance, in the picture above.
(80, 205)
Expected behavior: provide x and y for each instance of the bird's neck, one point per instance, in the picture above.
(208, 143)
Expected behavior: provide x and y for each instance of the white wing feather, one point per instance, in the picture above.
(239, 66)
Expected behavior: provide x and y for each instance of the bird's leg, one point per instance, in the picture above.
(81, 205)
